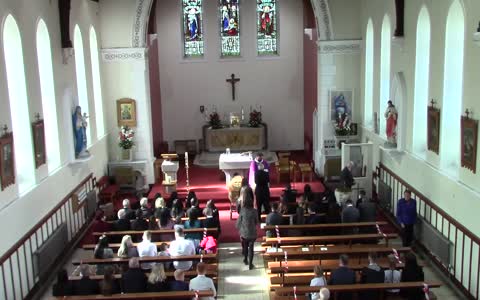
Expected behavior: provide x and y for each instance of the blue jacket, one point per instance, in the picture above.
(407, 212)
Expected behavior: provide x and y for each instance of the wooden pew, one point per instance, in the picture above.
(115, 246)
(263, 217)
(312, 240)
(325, 226)
(306, 266)
(147, 259)
(183, 219)
(284, 293)
(211, 272)
(160, 295)
(154, 232)
(333, 252)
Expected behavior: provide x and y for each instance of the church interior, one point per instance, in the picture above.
(147, 146)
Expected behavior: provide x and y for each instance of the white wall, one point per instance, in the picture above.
(460, 196)
(275, 83)
(19, 213)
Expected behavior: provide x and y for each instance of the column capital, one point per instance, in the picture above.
(339, 46)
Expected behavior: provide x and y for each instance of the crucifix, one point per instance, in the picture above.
(233, 80)
(433, 103)
(468, 113)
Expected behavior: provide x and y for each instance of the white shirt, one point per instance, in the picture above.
(180, 247)
(203, 283)
(147, 248)
(392, 278)
(317, 281)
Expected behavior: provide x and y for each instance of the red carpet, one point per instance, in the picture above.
(209, 183)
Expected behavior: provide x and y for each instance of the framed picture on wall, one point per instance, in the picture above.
(433, 129)
(38, 129)
(7, 162)
(469, 143)
(126, 112)
(341, 101)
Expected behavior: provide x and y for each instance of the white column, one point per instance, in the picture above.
(126, 76)
(330, 53)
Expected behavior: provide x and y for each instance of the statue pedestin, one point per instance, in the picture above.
(125, 154)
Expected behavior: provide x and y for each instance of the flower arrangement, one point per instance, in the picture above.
(214, 121)
(255, 118)
(125, 137)
(342, 125)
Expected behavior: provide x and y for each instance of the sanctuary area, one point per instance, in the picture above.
(239, 149)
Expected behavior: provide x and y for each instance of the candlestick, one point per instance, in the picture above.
(186, 171)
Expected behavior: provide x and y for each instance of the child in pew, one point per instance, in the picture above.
(163, 251)
(319, 280)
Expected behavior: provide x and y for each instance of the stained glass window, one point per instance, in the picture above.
(267, 27)
(229, 27)
(193, 28)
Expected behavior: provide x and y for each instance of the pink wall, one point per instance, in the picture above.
(156, 101)
(310, 77)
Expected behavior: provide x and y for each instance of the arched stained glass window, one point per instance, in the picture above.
(230, 27)
(17, 94)
(452, 89)
(97, 84)
(369, 49)
(193, 43)
(267, 27)
(45, 70)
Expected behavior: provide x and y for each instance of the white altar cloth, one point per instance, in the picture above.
(234, 163)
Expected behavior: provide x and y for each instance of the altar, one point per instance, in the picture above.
(241, 138)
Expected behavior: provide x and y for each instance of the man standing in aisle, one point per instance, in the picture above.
(407, 216)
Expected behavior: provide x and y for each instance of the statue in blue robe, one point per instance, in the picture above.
(80, 132)
(192, 23)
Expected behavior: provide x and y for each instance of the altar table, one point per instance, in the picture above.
(236, 163)
(235, 138)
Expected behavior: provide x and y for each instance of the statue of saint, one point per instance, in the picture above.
(391, 116)
(80, 132)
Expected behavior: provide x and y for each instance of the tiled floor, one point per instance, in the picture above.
(236, 281)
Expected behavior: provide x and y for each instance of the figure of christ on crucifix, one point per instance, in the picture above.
(233, 80)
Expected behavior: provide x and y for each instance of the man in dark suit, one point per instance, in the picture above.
(122, 224)
(273, 218)
(134, 280)
(346, 176)
(350, 214)
(85, 286)
(343, 275)
(372, 274)
(262, 190)
(368, 213)
(314, 214)
(179, 283)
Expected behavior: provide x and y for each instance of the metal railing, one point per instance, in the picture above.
(17, 276)
(464, 266)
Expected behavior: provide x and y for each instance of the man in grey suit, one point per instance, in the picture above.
(350, 214)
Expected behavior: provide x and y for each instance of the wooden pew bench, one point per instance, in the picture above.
(313, 227)
(155, 232)
(159, 295)
(286, 293)
(321, 253)
(211, 272)
(148, 259)
(115, 246)
(326, 239)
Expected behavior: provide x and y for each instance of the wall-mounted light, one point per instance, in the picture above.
(476, 36)
(5, 129)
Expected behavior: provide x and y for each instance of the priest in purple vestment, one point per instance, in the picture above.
(254, 167)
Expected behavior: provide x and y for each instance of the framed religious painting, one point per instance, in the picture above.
(433, 129)
(38, 129)
(469, 143)
(7, 163)
(341, 102)
(126, 112)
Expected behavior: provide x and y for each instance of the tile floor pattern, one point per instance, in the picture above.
(236, 281)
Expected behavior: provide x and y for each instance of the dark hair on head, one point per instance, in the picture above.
(307, 189)
(139, 214)
(411, 261)
(344, 259)
(348, 201)
(247, 199)
(192, 215)
(211, 204)
(362, 192)
(274, 206)
(163, 247)
(259, 154)
(101, 245)
(373, 256)
(408, 191)
(244, 181)
(193, 202)
(62, 276)
(108, 273)
(157, 195)
(173, 195)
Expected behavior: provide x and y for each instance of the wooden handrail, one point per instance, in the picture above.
(440, 211)
(327, 225)
(159, 295)
(42, 221)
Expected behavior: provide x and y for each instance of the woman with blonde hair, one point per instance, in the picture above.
(127, 249)
(157, 280)
(319, 280)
